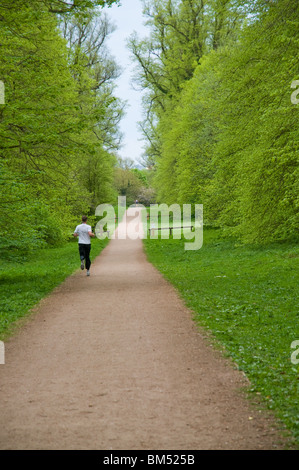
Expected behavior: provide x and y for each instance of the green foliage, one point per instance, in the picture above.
(127, 183)
(141, 175)
(255, 156)
(58, 126)
(181, 32)
(229, 138)
(133, 183)
(77, 6)
(247, 297)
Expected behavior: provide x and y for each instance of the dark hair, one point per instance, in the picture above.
(84, 218)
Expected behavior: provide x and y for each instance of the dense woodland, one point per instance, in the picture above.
(59, 124)
(221, 127)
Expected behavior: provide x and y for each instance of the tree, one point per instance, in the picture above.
(133, 183)
(181, 33)
(258, 167)
(38, 120)
(75, 6)
(53, 126)
(230, 140)
(94, 72)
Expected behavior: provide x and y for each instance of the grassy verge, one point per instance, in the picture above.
(24, 283)
(248, 298)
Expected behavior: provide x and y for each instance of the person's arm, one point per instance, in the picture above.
(90, 232)
(76, 234)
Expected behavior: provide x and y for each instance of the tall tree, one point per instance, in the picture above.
(94, 72)
(181, 32)
(256, 156)
(75, 6)
(55, 119)
(230, 140)
(38, 120)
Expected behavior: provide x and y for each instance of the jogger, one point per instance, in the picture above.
(84, 233)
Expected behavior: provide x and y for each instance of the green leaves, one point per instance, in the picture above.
(59, 121)
(228, 138)
(76, 6)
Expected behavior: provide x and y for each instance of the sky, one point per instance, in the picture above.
(127, 18)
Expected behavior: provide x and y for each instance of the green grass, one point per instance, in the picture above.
(247, 297)
(24, 283)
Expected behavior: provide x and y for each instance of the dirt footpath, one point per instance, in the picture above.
(114, 361)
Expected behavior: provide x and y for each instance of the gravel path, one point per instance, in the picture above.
(114, 361)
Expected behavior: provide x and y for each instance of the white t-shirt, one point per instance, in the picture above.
(82, 230)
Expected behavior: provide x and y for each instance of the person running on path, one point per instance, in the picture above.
(84, 232)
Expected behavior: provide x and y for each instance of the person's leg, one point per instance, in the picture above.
(82, 254)
(87, 257)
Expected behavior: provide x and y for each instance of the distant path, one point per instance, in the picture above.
(114, 361)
